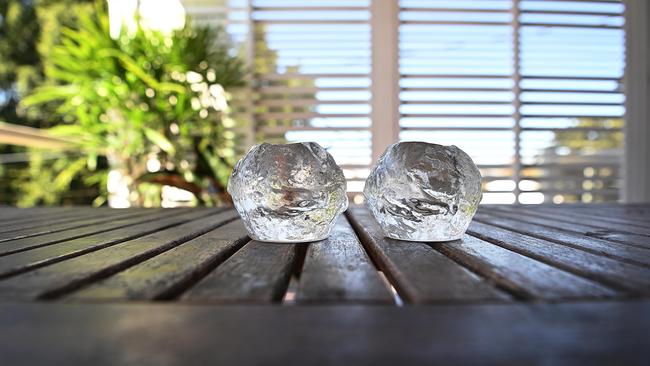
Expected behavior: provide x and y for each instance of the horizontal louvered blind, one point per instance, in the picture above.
(456, 85)
(530, 89)
(233, 17)
(571, 68)
(311, 66)
(312, 77)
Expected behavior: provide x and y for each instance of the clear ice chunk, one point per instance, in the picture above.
(423, 192)
(288, 193)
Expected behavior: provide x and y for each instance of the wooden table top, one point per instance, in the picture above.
(527, 284)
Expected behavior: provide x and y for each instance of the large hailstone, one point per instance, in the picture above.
(288, 193)
(423, 192)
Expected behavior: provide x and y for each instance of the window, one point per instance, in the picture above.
(530, 89)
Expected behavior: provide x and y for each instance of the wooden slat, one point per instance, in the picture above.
(623, 276)
(527, 278)
(419, 273)
(167, 274)
(602, 333)
(628, 208)
(338, 270)
(55, 217)
(617, 216)
(63, 277)
(28, 218)
(10, 214)
(623, 215)
(625, 253)
(25, 261)
(638, 216)
(594, 223)
(49, 215)
(257, 273)
(78, 223)
(30, 243)
(558, 223)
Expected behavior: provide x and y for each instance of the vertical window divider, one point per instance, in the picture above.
(516, 89)
(250, 59)
(636, 172)
(385, 115)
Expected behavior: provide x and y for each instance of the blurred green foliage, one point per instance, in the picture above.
(28, 30)
(588, 141)
(145, 97)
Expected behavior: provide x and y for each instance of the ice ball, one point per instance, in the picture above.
(423, 192)
(288, 192)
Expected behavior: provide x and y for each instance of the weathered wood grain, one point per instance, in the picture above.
(25, 261)
(49, 228)
(168, 274)
(606, 214)
(338, 270)
(257, 273)
(30, 243)
(37, 219)
(641, 211)
(596, 213)
(512, 253)
(60, 278)
(558, 223)
(617, 251)
(419, 273)
(9, 231)
(590, 222)
(623, 276)
(602, 333)
(14, 214)
(527, 278)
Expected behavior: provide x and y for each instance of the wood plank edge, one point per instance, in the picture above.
(404, 290)
(613, 285)
(46, 262)
(570, 245)
(58, 292)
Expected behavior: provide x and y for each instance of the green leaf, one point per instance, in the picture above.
(49, 93)
(64, 178)
(160, 140)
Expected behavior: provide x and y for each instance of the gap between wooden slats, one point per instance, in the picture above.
(257, 273)
(521, 276)
(61, 278)
(595, 216)
(333, 270)
(594, 224)
(89, 233)
(339, 270)
(11, 213)
(49, 228)
(558, 223)
(15, 264)
(14, 214)
(53, 215)
(617, 251)
(168, 274)
(599, 214)
(632, 279)
(419, 273)
(61, 219)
